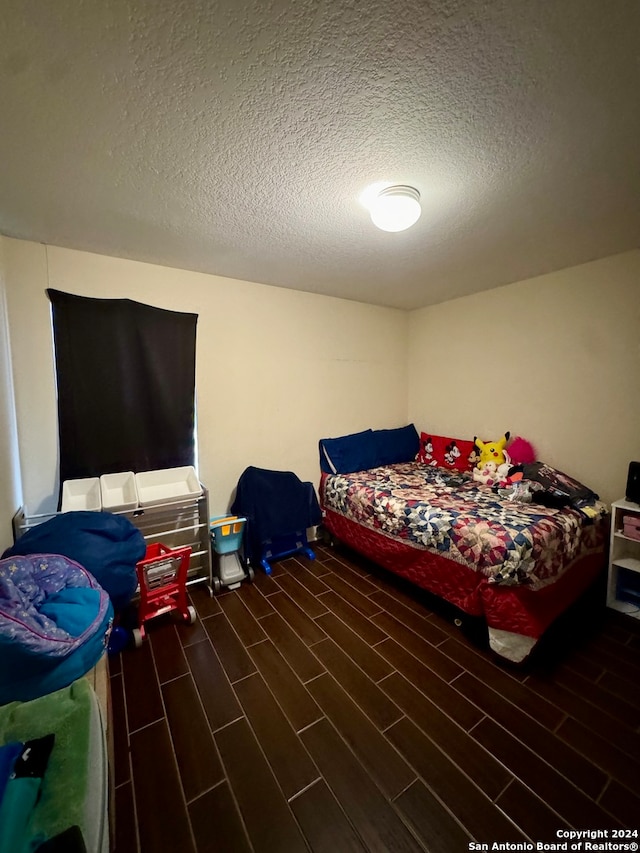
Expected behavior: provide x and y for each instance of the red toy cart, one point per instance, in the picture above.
(162, 577)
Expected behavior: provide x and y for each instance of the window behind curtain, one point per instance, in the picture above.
(126, 385)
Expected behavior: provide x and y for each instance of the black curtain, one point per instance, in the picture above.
(126, 385)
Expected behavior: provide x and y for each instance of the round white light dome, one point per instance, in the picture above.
(396, 208)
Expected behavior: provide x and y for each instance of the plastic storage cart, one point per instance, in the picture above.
(176, 524)
(162, 577)
(226, 540)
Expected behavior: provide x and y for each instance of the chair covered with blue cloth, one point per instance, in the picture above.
(279, 509)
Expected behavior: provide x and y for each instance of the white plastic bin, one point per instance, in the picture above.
(119, 491)
(167, 484)
(81, 494)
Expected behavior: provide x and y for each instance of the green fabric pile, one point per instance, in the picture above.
(67, 714)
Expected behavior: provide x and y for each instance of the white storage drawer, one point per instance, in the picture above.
(119, 491)
(81, 494)
(167, 485)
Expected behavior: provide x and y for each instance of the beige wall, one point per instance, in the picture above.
(276, 369)
(555, 359)
(10, 495)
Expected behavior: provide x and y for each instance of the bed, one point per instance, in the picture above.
(518, 566)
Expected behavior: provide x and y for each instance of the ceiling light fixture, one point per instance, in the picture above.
(395, 208)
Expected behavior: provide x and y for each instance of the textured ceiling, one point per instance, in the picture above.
(236, 137)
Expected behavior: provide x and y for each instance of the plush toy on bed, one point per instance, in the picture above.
(492, 451)
(494, 463)
(491, 474)
(521, 451)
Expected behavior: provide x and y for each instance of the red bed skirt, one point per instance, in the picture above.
(516, 609)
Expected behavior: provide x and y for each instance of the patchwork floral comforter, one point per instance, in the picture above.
(451, 515)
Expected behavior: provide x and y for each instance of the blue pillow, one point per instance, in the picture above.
(349, 453)
(397, 445)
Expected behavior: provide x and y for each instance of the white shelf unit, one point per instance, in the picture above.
(181, 522)
(624, 558)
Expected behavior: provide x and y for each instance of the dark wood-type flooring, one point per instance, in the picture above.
(329, 708)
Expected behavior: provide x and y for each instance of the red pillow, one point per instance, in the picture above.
(452, 453)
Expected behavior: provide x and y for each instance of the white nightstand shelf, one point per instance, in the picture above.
(623, 585)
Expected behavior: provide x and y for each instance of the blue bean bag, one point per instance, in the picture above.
(55, 621)
(107, 545)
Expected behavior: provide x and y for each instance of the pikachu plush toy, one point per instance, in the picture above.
(493, 465)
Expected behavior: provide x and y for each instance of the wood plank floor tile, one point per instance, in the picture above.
(360, 652)
(535, 818)
(552, 788)
(264, 583)
(198, 762)
(581, 665)
(622, 803)
(334, 563)
(322, 552)
(167, 652)
(475, 811)
(219, 700)
(410, 596)
(619, 687)
(593, 718)
(614, 629)
(205, 604)
(480, 659)
(367, 695)
(517, 693)
(409, 618)
(615, 706)
(622, 764)
(460, 747)
(421, 649)
(309, 581)
(572, 764)
(190, 634)
(434, 825)
(362, 626)
(163, 822)
(391, 773)
(254, 601)
(244, 624)
(351, 595)
(121, 769)
(375, 820)
(217, 825)
(625, 656)
(142, 691)
(289, 761)
(302, 624)
(316, 567)
(324, 824)
(626, 668)
(233, 656)
(309, 604)
(294, 699)
(355, 577)
(126, 831)
(293, 650)
(427, 746)
(442, 694)
(269, 821)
